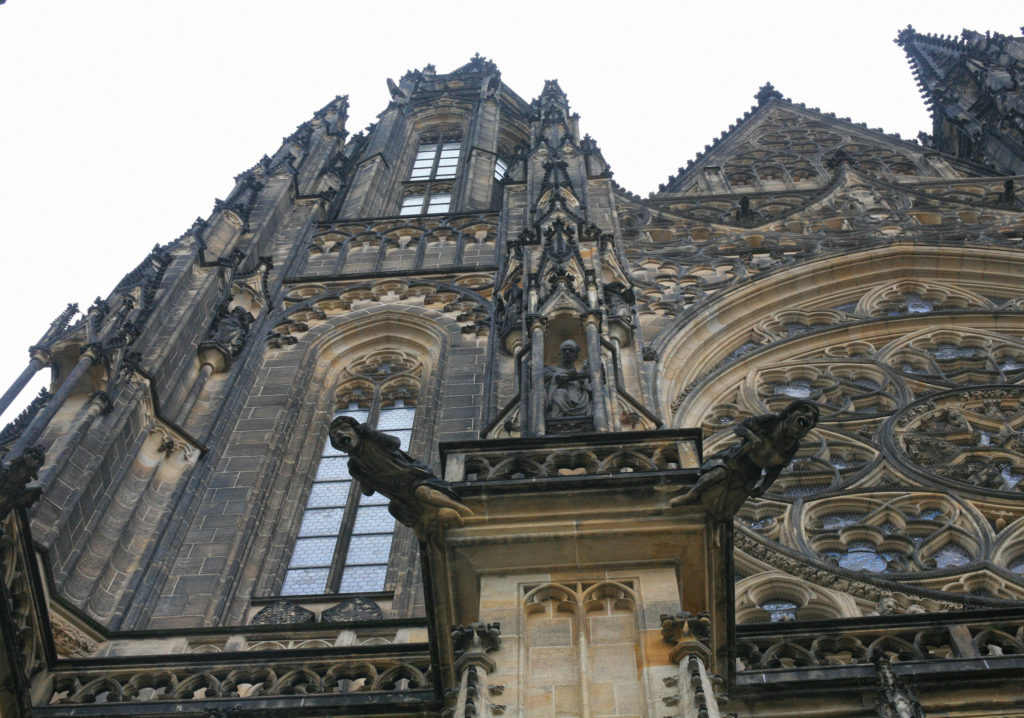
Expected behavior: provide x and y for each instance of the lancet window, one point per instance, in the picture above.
(500, 168)
(427, 200)
(437, 157)
(344, 539)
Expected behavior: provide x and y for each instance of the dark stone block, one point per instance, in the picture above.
(283, 612)
(352, 609)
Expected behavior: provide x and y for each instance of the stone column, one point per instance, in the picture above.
(99, 403)
(90, 353)
(614, 418)
(39, 358)
(592, 326)
(205, 370)
(536, 396)
(472, 643)
(698, 695)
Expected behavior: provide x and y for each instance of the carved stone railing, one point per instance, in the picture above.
(922, 637)
(244, 678)
(410, 243)
(54, 663)
(571, 457)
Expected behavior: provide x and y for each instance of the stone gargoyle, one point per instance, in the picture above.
(767, 444)
(418, 498)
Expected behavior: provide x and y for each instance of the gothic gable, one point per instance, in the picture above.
(781, 145)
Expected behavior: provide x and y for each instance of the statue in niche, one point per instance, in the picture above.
(418, 498)
(767, 445)
(568, 391)
(231, 328)
(509, 307)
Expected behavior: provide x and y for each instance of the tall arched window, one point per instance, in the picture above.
(344, 539)
(437, 158)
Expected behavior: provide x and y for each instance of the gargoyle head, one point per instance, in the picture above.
(799, 418)
(346, 434)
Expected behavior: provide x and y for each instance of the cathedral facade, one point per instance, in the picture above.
(418, 420)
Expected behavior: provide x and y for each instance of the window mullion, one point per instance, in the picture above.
(351, 508)
(344, 536)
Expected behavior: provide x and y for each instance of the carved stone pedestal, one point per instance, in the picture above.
(571, 549)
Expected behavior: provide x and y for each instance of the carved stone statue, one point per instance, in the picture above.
(895, 699)
(418, 498)
(17, 479)
(509, 307)
(231, 328)
(568, 391)
(768, 443)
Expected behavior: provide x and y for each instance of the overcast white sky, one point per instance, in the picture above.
(122, 121)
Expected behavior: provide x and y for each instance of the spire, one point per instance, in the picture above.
(477, 64)
(931, 58)
(553, 92)
(554, 124)
(972, 87)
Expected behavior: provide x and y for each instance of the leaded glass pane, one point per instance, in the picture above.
(368, 549)
(305, 581)
(328, 493)
(863, 557)
(373, 519)
(374, 499)
(951, 555)
(439, 203)
(333, 469)
(403, 435)
(412, 204)
(839, 520)
(313, 552)
(321, 522)
(780, 610)
(396, 419)
(363, 578)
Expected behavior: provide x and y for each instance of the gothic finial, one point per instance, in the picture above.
(767, 92)
(396, 93)
(905, 35)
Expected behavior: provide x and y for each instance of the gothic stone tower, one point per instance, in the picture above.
(180, 538)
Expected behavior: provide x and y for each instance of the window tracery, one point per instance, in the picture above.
(914, 297)
(948, 430)
(773, 597)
